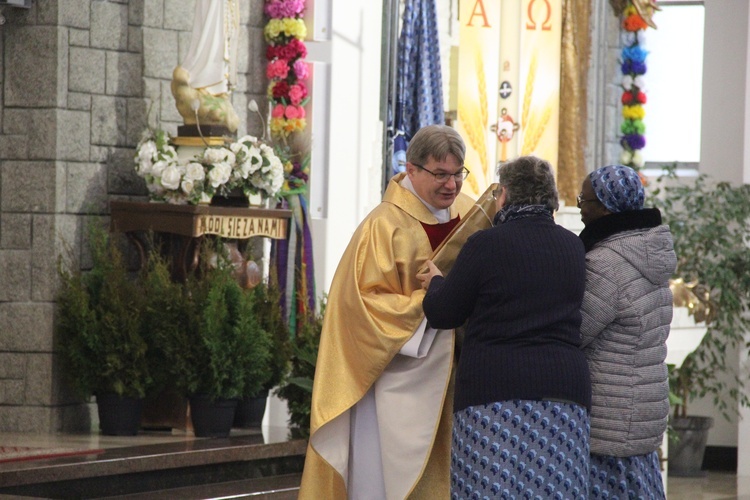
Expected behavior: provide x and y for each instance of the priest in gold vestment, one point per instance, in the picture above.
(381, 406)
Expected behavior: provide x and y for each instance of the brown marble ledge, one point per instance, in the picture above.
(148, 458)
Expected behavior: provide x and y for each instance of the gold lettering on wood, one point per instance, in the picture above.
(239, 227)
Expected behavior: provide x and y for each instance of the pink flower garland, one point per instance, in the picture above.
(287, 71)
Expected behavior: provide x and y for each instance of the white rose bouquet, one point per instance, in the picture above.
(247, 164)
(257, 168)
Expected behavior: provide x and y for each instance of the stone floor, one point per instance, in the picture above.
(714, 486)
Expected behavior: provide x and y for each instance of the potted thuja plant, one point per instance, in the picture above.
(710, 224)
(221, 338)
(163, 324)
(262, 377)
(99, 334)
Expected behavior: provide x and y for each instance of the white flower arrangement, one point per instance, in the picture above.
(247, 164)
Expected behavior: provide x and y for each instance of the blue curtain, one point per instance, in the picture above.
(419, 92)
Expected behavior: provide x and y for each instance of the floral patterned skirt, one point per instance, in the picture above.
(520, 449)
(618, 478)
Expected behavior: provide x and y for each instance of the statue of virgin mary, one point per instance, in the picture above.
(203, 83)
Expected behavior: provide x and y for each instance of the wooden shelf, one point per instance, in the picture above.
(181, 228)
(195, 221)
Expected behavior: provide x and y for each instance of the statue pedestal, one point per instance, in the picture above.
(218, 131)
(203, 136)
(200, 142)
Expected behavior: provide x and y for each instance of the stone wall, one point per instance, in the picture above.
(81, 79)
(604, 88)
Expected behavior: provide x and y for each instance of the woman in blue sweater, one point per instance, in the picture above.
(523, 391)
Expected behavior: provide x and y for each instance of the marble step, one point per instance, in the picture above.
(127, 471)
(283, 487)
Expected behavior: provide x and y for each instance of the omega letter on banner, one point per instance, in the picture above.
(508, 83)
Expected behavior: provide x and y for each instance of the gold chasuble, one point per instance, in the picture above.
(373, 309)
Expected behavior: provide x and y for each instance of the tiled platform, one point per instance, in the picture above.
(158, 465)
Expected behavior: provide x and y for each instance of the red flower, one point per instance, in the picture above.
(277, 69)
(290, 51)
(298, 48)
(280, 89)
(629, 97)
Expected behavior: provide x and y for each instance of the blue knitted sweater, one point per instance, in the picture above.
(518, 286)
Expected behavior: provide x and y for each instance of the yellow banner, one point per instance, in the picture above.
(539, 111)
(508, 83)
(478, 56)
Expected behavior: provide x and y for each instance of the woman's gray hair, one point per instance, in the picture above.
(436, 142)
(528, 180)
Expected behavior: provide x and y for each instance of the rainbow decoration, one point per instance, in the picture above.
(633, 68)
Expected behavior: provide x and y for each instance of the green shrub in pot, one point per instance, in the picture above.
(98, 323)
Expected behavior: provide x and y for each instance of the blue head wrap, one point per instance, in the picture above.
(619, 188)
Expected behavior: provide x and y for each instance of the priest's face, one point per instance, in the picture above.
(437, 182)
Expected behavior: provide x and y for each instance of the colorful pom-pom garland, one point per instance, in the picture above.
(633, 67)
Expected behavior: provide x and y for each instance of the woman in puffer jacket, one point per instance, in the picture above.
(626, 310)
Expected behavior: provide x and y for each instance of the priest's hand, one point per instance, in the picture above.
(425, 277)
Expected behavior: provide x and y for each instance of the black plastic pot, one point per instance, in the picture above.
(211, 418)
(119, 415)
(686, 451)
(250, 411)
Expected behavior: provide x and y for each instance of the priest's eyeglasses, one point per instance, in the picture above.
(442, 177)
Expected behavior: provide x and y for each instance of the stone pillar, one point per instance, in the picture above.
(604, 90)
(42, 139)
